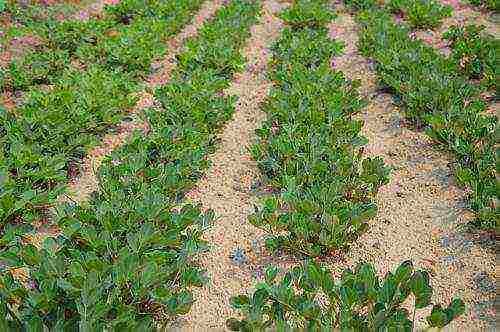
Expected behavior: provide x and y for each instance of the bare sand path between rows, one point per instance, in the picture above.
(421, 210)
(226, 188)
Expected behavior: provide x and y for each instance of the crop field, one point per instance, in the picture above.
(248, 165)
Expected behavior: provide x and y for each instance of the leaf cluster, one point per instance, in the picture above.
(361, 4)
(307, 14)
(421, 14)
(308, 298)
(475, 53)
(493, 5)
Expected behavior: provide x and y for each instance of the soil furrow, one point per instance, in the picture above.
(226, 188)
(80, 189)
(421, 210)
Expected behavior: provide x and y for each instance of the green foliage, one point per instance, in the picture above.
(110, 269)
(421, 14)
(115, 43)
(40, 140)
(310, 149)
(435, 95)
(126, 260)
(67, 108)
(31, 14)
(361, 4)
(475, 53)
(307, 13)
(359, 301)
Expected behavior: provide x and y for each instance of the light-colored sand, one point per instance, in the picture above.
(227, 185)
(420, 210)
(80, 189)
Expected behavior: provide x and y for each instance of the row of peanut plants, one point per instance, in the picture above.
(310, 150)
(67, 108)
(310, 147)
(126, 259)
(441, 94)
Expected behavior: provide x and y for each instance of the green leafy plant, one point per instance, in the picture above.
(421, 14)
(361, 4)
(437, 96)
(474, 52)
(110, 270)
(308, 297)
(489, 4)
(307, 13)
(50, 131)
(310, 148)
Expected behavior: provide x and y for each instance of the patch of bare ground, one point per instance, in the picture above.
(226, 188)
(81, 188)
(421, 210)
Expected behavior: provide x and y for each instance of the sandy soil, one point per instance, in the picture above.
(421, 210)
(226, 188)
(79, 189)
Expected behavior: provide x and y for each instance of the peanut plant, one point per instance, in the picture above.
(437, 97)
(308, 298)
